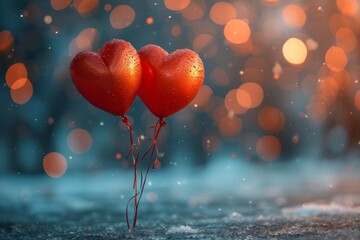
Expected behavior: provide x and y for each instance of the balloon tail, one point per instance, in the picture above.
(151, 161)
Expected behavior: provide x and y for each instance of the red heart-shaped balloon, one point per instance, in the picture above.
(169, 82)
(110, 78)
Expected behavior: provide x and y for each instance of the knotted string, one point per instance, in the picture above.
(138, 194)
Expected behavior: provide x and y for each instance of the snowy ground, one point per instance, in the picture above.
(226, 199)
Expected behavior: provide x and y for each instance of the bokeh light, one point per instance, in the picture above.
(60, 4)
(205, 45)
(268, 148)
(149, 20)
(107, 7)
(222, 12)
(79, 141)
(54, 164)
(346, 39)
(270, 2)
(6, 41)
(348, 7)
(294, 16)
(336, 59)
(14, 73)
(271, 119)
(202, 98)
(122, 16)
(249, 95)
(84, 41)
(21, 91)
(237, 31)
(232, 104)
(194, 11)
(85, 7)
(294, 51)
(176, 30)
(47, 19)
(176, 5)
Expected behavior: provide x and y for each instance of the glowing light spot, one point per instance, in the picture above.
(19, 83)
(193, 11)
(271, 119)
(295, 139)
(294, 51)
(176, 5)
(311, 44)
(90, 33)
(294, 16)
(107, 7)
(230, 126)
(268, 148)
(22, 91)
(250, 95)
(118, 156)
(222, 12)
(277, 71)
(85, 7)
(6, 41)
(237, 31)
(47, 19)
(79, 141)
(243, 98)
(60, 4)
(54, 164)
(84, 41)
(232, 104)
(149, 20)
(176, 31)
(346, 39)
(122, 16)
(357, 100)
(14, 73)
(348, 7)
(270, 2)
(336, 59)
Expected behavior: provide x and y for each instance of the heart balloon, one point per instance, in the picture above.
(169, 82)
(110, 78)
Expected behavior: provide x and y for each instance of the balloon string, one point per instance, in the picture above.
(135, 161)
(138, 195)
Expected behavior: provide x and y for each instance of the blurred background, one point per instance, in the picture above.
(281, 82)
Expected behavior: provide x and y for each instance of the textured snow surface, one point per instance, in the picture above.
(182, 229)
(222, 201)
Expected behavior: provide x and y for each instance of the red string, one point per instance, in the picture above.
(137, 196)
(135, 161)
